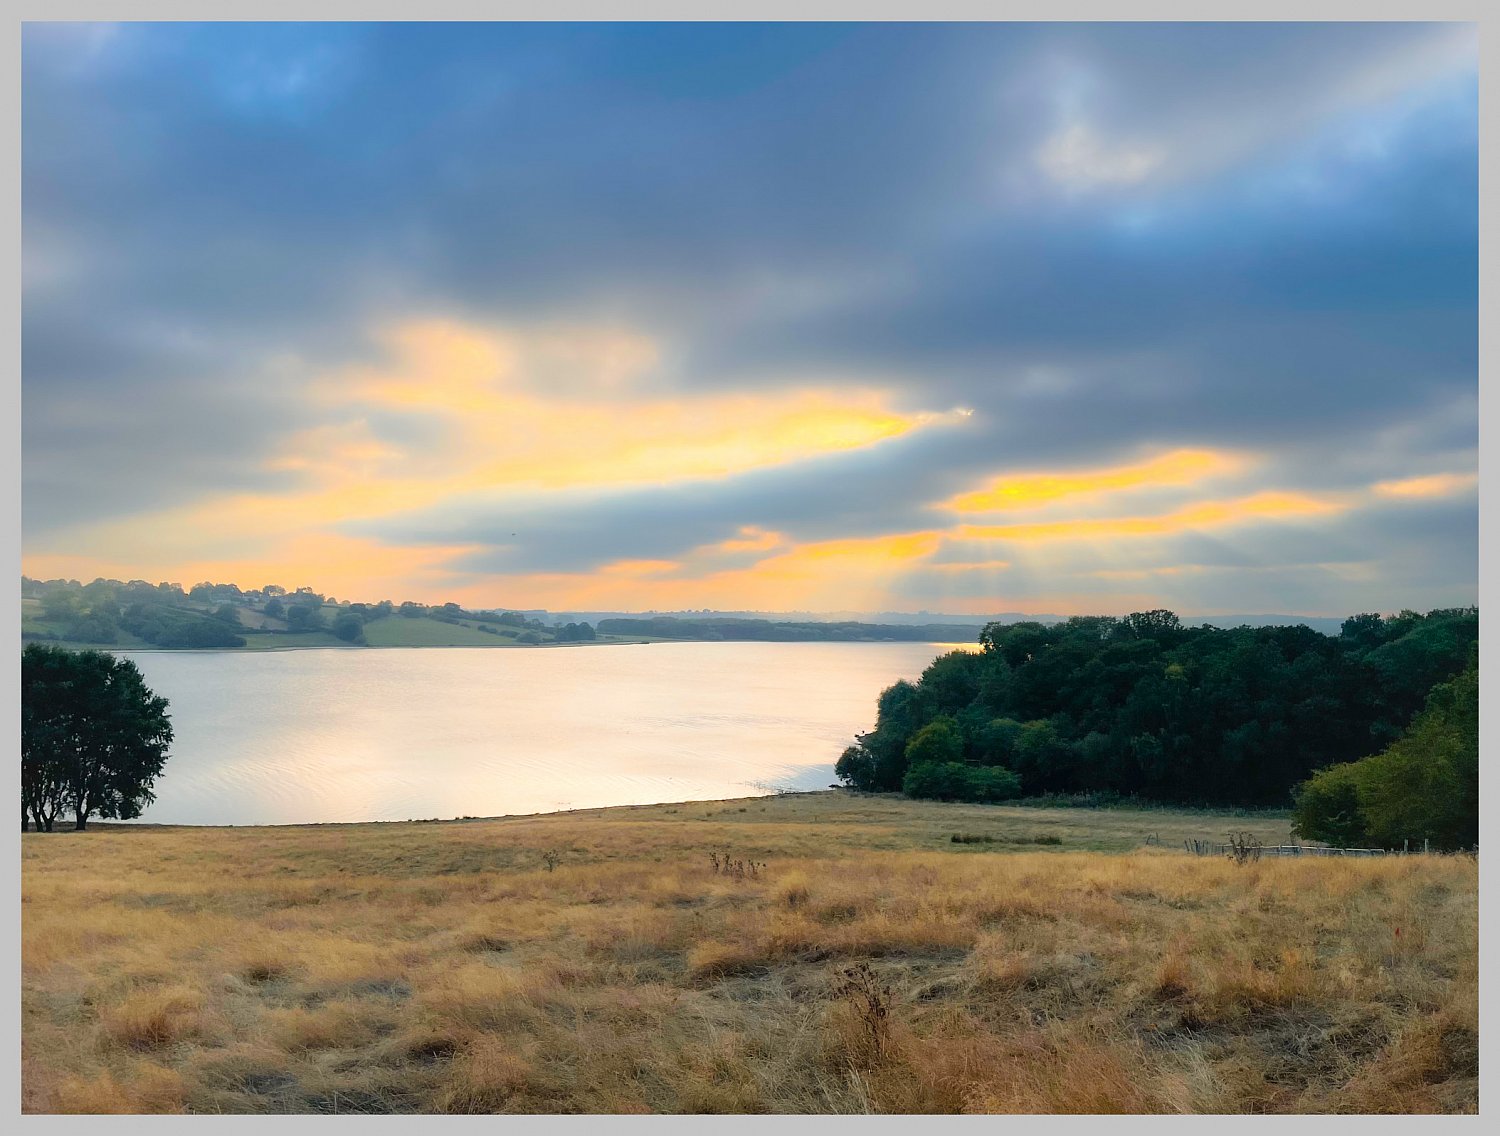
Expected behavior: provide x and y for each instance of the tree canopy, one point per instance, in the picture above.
(1146, 706)
(1424, 787)
(94, 737)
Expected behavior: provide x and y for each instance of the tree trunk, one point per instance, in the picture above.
(80, 820)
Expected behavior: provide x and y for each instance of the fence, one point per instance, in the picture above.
(1214, 848)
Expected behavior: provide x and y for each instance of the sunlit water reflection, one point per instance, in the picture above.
(345, 735)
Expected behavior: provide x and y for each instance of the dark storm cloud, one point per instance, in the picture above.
(1102, 238)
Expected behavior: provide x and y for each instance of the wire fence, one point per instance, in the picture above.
(1221, 848)
(1218, 848)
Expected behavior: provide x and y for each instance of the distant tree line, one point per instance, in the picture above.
(209, 614)
(161, 614)
(765, 630)
(1145, 706)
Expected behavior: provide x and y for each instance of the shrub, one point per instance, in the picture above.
(937, 743)
(954, 781)
(856, 768)
(1328, 809)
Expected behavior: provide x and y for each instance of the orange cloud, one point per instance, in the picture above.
(821, 575)
(972, 566)
(1436, 485)
(640, 567)
(1033, 490)
(752, 539)
(590, 422)
(498, 412)
(1207, 514)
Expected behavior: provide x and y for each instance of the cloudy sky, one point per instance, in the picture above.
(1055, 318)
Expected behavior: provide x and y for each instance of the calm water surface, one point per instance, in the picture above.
(344, 735)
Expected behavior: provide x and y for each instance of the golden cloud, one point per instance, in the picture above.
(1206, 514)
(1033, 490)
(1436, 485)
(593, 422)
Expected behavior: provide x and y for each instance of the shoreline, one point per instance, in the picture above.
(476, 646)
(1019, 804)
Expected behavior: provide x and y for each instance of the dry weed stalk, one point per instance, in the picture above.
(870, 1000)
(727, 865)
(1244, 848)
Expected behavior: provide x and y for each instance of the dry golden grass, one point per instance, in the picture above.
(445, 968)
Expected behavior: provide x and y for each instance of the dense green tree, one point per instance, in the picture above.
(92, 627)
(998, 741)
(935, 780)
(1327, 808)
(937, 742)
(953, 679)
(856, 768)
(1145, 706)
(61, 604)
(992, 783)
(94, 737)
(955, 781)
(900, 713)
(1043, 756)
(304, 617)
(350, 628)
(202, 633)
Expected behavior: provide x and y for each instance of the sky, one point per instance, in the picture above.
(1060, 318)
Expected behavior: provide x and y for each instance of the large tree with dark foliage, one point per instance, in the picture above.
(94, 737)
(1145, 706)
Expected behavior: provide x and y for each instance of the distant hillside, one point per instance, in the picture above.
(1328, 625)
(765, 630)
(137, 614)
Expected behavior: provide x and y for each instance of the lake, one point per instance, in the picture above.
(290, 737)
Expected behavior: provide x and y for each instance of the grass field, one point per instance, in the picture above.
(597, 962)
(401, 631)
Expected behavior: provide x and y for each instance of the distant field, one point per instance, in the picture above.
(401, 631)
(597, 962)
(265, 640)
